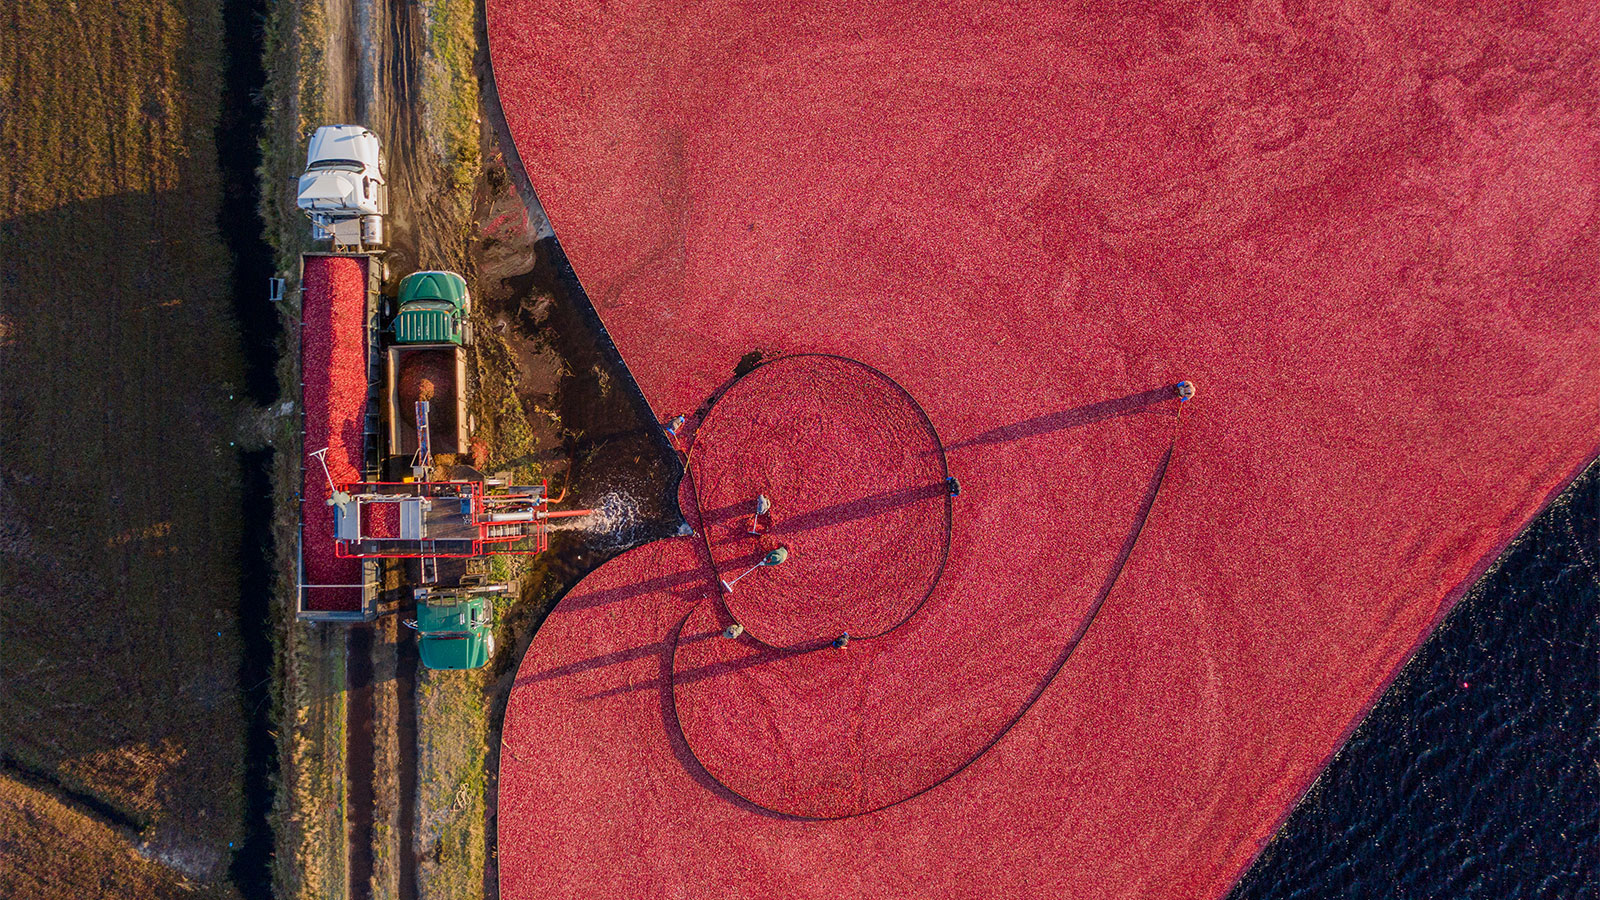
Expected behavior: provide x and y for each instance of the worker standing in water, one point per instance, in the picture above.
(762, 520)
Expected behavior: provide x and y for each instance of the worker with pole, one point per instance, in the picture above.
(774, 558)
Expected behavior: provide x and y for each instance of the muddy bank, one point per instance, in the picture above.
(594, 435)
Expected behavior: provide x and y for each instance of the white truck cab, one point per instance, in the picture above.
(343, 189)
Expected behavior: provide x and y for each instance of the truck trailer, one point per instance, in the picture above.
(350, 519)
(426, 361)
(339, 436)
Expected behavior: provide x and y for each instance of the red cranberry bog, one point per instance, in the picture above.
(335, 393)
(986, 243)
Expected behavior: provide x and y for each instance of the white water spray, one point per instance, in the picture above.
(616, 513)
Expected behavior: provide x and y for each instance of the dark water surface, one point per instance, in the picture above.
(1478, 773)
(239, 222)
(250, 870)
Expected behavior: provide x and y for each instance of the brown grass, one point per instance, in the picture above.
(450, 101)
(309, 820)
(386, 856)
(52, 850)
(295, 35)
(119, 498)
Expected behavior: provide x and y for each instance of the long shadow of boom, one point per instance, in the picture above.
(862, 508)
(1070, 418)
(849, 510)
(609, 659)
(700, 673)
(697, 770)
(648, 586)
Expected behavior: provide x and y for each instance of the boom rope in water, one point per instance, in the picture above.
(944, 475)
(669, 686)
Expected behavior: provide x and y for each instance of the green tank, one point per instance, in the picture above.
(455, 632)
(433, 309)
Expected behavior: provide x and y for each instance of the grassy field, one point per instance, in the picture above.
(309, 819)
(54, 850)
(452, 754)
(119, 490)
(386, 860)
(450, 99)
(296, 36)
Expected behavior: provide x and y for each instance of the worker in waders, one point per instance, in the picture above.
(775, 558)
(761, 522)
